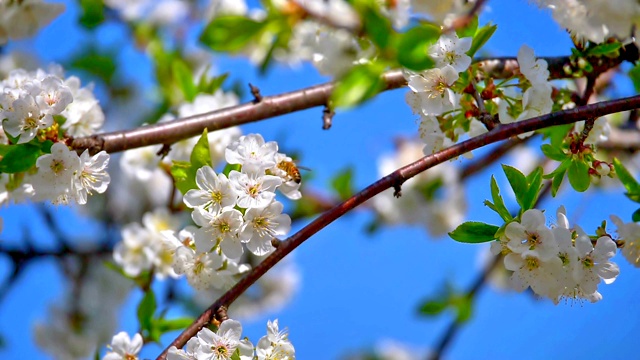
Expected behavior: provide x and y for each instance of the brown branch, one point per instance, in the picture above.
(395, 179)
(271, 106)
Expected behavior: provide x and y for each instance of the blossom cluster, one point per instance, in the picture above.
(224, 344)
(21, 19)
(29, 103)
(231, 212)
(556, 262)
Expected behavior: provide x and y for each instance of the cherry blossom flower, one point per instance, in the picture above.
(214, 191)
(219, 229)
(56, 173)
(254, 189)
(222, 344)
(92, 176)
(531, 234)
(264, 224)
(252, 152)
(124, 348)
(275, 345)
(433, 86)
(451, 50)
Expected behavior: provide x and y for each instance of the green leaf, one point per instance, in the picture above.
(636, 216)
(19, 158)
(166, 325)
(578, 174)
(470, 29)
(146, 309)
(474, 232)
(413, 47)
(634, 74)
(556, 182)
(236, 355)
(433, 307)
(377, 26)
(231, 33)
(92, 13)
(210, 86)
(181, 173)
(359, 84)
(184, 77)
(604, 49)
(342, 183)
(518, 183)
(535, 184)
(481, 37)
(200, 155)
(628, 181)
(230, 167)
(463, 306)
(498, 202)
(553, 153)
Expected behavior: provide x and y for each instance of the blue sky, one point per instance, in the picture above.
(356, 289)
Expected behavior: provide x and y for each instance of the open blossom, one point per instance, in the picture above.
(252, 153)
(535, 70)
(200, 269)
(275, 345)
(222, 344)
(133, 253)
(264, 224)
(433, 87)
(84, 115)
(630, 234)
(124, 348)
(92, 176)
(219, 229)
(451, 50)
(254, 189)
(188, 353)
(26, 119)
(531, 234)
(56, 174)
(593, 264)
(214, 191)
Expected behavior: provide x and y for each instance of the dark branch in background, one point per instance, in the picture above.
(396, 179)
(271, 106)
(327, 117)
(482, 279)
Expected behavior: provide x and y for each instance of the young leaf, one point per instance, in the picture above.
(578, 175)
(359, 84)
(604, 49)
(628, 181)
(180, 171)
(535, 183)
(498, 202)
(377, 26)
(413, 47)
(481, 37)
(343, 183)
(518, 183)
(200, 155)
(474, 232)
(146, 309)
(230, 33)
(166, 325)
(553, 153)
(184, 78)
(433, 307)
(470, 29)
(19, 158)
(556, 182)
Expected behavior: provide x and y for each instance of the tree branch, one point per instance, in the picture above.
(272, 106)
(396, 179)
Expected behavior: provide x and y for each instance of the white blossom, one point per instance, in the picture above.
(451, 50)
(275, 345)
(56, 174)
(20, 19)
(214, 191)
(252, 153)
(433, 86)
(222, 344)
(264, 224)
(630, 234)
(219, 229)
(124, 348)
(92, 176)
(531, 235)
(254, 189)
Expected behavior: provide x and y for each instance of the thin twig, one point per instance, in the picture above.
(394, 179)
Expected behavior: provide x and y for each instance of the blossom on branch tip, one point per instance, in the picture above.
(222, 344)
(56, 174)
